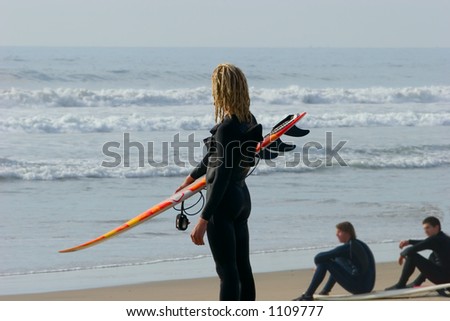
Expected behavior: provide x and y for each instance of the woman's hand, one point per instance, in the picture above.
(189, 180)
(198, 232)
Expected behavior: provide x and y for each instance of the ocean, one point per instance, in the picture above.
(378, 155)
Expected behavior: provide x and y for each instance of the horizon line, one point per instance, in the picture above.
(219, 47)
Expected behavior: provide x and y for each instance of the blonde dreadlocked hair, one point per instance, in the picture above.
(230, 92)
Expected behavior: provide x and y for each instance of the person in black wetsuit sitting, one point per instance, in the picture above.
(230, 153)
(437, 267)
(352, 265)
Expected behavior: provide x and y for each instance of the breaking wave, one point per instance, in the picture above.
(70, 97)
(400, 157)
(92, 123)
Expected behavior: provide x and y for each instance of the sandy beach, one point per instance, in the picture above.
(272, 286)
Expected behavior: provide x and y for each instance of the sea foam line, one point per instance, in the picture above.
(73, 122)
(402, 157)
(169, 260)
(82, 97)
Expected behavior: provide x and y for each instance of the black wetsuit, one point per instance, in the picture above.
(421, 277)
(352, 265)
(436, 270)
(227, 207)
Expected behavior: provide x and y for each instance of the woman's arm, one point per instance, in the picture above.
(200, 169)
(223, 166)
(218, 186)
(187, 181)
(196, 173)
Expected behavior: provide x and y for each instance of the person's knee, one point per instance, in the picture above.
(318, 259)
(412, 257)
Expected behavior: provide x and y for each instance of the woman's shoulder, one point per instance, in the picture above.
(225, 125)
(231, 126)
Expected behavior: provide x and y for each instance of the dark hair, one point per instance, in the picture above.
(433, 221)
(348, 228)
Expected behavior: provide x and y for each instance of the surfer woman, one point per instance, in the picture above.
(226, 164)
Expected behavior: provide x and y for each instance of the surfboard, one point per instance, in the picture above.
(377, 295)
(286, 126)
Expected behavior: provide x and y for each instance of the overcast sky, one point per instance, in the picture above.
(228, 23)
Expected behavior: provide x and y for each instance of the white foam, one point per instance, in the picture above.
(372, 95)
(409, 157)
(12, 169)
(91, 123)
(373, 119)
(292, 95)
(84, 123)
(76, 97)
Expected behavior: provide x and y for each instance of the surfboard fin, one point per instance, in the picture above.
(294, 131)
(272, 151)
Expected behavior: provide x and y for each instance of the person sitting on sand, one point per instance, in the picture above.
(437, 268)
(351, 265)
(421, 277)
